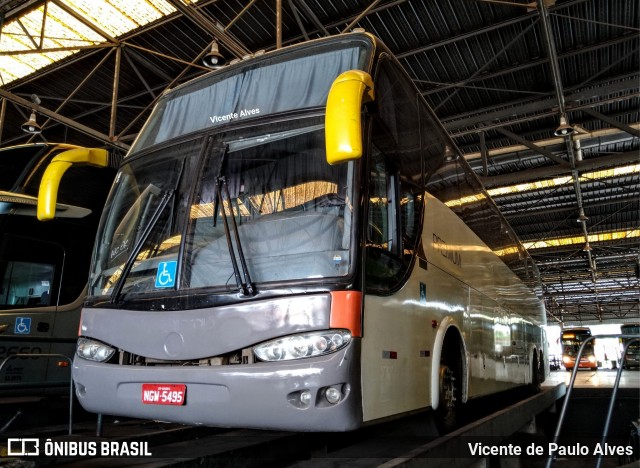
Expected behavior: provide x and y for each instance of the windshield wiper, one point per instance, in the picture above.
(244, 282)
(126, 268)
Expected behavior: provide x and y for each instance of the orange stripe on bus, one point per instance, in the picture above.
(346, 309)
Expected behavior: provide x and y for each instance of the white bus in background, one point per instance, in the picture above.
(632, 357)
(44, 265)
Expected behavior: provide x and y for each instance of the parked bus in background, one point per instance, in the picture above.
(571, 340)
(632, 358)
(44, 265)
(293, 242)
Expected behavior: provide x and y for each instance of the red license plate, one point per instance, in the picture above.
(164, 394)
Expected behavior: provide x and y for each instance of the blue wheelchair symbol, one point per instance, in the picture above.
(22, 326)
(166, 275)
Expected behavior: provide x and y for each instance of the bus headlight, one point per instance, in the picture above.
(94, 350)
(592, 358)
(566, 359)
(303, 345)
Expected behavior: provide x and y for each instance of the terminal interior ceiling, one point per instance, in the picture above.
(541, 97)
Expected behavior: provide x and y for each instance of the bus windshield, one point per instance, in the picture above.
(572, 341)
(631, 329)
(19, 167)
(291, 212)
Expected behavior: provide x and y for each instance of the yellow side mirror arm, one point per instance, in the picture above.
(48, 192)
(343, 126)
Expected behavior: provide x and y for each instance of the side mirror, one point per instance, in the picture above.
(343, 126)
(48, 192)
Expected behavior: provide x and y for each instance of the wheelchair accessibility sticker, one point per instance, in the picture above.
(166, 275)
(22, 326)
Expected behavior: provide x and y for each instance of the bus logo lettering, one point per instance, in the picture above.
(447, 251)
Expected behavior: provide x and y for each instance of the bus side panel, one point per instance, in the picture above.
(479, 328)
(20, 372)
(45, 330)
(398, 340)
(65, 341)
(495, 337)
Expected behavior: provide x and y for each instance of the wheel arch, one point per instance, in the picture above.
(450, 331)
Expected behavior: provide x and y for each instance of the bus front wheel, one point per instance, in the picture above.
(449, 413)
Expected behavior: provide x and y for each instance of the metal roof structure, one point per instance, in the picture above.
(542, 98)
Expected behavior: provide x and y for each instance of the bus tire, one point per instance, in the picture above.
(541, 368)
(448, 415)
(535, 373)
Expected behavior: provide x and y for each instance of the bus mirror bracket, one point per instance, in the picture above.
(48, 192)
(343, 120)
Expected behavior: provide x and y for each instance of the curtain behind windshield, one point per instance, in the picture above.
(265, 88)
(292, 211)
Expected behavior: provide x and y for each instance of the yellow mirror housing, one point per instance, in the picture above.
(48, 192)
(343, 126)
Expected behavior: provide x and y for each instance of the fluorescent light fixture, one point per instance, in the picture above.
(600, 237)
(565, 241)
(547, 184)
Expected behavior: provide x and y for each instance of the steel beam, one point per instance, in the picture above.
(204, 23)
(3, 113)
(62, 119)
(625, 128)
(538, 149)
(278, 24)
(364, 13)
(114, 93)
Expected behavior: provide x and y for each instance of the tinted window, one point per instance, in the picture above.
(396, 181)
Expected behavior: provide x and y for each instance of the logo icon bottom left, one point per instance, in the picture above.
(23, 447)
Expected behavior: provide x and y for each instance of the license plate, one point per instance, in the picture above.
(164, 394)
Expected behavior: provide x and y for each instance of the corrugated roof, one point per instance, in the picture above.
(486, 69)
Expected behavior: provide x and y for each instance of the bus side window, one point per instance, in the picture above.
(380, 230)
(29, 273)
(383, 264)
(396, 182)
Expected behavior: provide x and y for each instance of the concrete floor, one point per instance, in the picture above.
(603, 378)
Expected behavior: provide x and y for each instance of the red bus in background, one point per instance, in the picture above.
(571, 340)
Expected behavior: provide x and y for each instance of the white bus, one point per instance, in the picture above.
(44, 265)
(293, 242)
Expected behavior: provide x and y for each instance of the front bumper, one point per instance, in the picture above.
(260, 396)
(584, 364)
(632, 360)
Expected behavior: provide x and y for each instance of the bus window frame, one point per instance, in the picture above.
(401, 255)
(57, 282)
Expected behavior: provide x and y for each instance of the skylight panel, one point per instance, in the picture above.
(63, 31)
(108, 18)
